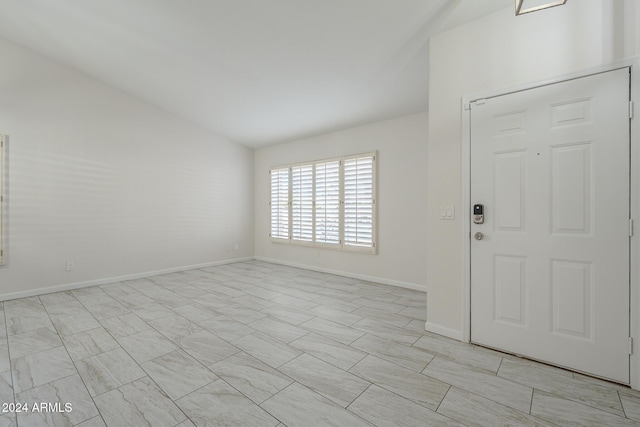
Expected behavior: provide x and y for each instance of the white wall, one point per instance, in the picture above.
(495, 52)
(117, 186)
(402, 160)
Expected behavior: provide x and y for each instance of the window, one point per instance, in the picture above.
(302, 203)
(2, 197)
(326, 203)
(327, 199)
(280, 203)
(358, 201)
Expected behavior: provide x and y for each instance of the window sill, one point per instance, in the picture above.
(342, 248)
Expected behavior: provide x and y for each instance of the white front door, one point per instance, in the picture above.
(550, 269)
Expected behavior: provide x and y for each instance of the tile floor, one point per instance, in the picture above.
(257, 344)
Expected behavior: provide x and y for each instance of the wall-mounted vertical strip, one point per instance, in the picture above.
(3, 199)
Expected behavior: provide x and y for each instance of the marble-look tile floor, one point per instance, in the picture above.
(258, 344)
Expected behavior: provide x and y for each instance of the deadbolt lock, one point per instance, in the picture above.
(478, 214)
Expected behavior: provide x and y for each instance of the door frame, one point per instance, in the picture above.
(465, 202)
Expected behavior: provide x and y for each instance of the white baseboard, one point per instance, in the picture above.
(444, 331)
(107, 280)
(133, 276)
(398, 283)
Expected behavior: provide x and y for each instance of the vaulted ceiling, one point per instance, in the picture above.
(255, 71)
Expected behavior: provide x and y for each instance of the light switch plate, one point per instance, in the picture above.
(447, 212)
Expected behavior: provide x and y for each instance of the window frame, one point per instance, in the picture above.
(341, 245)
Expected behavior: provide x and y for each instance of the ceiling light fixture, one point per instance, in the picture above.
(526, 6)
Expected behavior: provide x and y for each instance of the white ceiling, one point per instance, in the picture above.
(254, 71)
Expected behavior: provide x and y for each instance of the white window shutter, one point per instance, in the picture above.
(280, 203)
(327, 209)
(302, 203)
(359, 200)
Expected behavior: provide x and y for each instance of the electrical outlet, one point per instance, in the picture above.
(70, 265)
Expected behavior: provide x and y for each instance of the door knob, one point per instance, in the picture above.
(478, 236)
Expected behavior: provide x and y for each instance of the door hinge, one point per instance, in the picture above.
(630, 228)
(630, 345)
(631, 109)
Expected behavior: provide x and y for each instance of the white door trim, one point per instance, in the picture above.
(634, 203)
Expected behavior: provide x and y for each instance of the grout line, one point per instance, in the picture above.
(443, 398)
(624, 411)
(533, 390)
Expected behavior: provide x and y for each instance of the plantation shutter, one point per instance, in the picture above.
(280, 203)
(359, 201)
(328, 202)
(302, 203)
